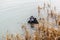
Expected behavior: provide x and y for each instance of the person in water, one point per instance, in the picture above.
(32, 21)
